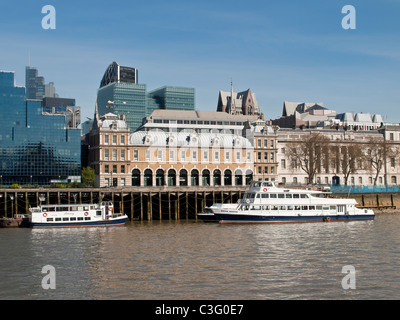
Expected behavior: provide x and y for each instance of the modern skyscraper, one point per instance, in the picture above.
(120, 93)
(35, 87)
(35, 147)
(171, 98)
(117, 73)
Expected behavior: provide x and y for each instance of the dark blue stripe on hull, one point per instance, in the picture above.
(230, 218)
(108, 223)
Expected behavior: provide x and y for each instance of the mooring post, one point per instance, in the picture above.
(187, 206)
(132, 205)
(195, 204)
(149, 208)
(141, 206)
(159, 205)
(169, 205)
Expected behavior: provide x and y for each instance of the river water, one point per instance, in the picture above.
(188, 260)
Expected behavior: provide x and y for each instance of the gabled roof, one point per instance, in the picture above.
(289, 108)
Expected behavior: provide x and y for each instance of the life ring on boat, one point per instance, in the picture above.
(328, 219)
(110, 208)
(265, 189)
(86, 213)
(44, 214)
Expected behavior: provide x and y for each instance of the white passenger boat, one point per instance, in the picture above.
(76, 215)
(266, 203)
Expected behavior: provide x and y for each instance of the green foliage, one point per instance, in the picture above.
(88, 177)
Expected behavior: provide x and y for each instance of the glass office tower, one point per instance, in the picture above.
(172, 98)
(34, 148)
(120, 94)
(124, 98)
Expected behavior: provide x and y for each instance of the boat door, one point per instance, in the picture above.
(342, 209)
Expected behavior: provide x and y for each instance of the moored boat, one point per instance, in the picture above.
(208, 214)
(19, 220)
(76, 215)
(266, 203)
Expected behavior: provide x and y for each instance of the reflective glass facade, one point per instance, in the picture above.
(172, 98)
(34, 148)
(136, 103)
(128, 98)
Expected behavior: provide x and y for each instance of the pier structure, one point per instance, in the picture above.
(143, 204)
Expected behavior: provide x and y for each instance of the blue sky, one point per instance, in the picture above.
(281, 50)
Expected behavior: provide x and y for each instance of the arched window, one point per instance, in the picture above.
(238, 177)
(217, 177)
(249, 177)
(148, 178)
(194, 177)
(171, 177)
(206, 177)
(160, 177)
(183, 177)
(228, 177)
(135, 177)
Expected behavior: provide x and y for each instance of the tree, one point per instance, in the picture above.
(350, 154)
(88, 177)
(308, 153)
(378, 153)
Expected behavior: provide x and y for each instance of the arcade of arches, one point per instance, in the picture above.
(194, 177)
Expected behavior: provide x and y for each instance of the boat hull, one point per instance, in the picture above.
(246, 218)
(207, 217)
(101, 223)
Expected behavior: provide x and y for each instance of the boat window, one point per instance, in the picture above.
(65, 219)
(333, 207)
(290, 207)
(58, 219)
(98, 213)
(265, 195)
(319, 207)
(49, 219)
(326, 207)
(86, 208)
(274, 207)
(51, 209)
(72, 219)
(272, 195)
(265, 207)
(258, 196)
(252, 195)
(288, 195)
(80, 208)
(303, 196)
(80, 218)
(255, 208)
(296, 196)
(45, 209)
(281, 195)
(297, 207)
(282, 207)
(61, 209)
(74, 208)
(311, 207)
(87, 218)
(247, 208)
(304, 207)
